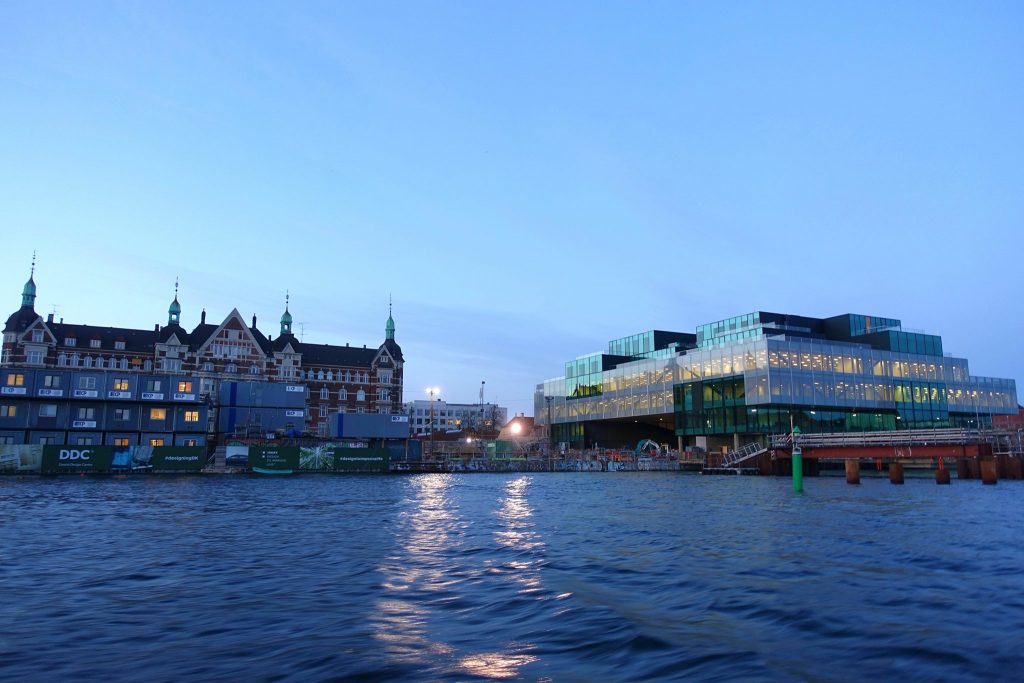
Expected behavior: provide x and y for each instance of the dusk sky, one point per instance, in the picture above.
(528, 180)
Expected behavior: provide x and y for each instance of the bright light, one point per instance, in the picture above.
(516, 427)
(469, 440)
(433, 391)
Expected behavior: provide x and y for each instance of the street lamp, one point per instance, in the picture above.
(432, 392)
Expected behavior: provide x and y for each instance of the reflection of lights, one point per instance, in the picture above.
(400, 620)
(494, 664)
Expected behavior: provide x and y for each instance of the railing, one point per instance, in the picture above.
(733, 458)
(908, 437)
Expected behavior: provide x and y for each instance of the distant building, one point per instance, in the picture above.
(743, 378)
(46, 359)
(483, 418)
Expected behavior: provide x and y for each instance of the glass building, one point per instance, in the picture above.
(744, 377)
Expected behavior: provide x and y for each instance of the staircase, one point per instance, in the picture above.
(751, 450)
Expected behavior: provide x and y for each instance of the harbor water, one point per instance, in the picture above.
(540, 576)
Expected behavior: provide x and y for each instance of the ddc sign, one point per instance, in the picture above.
(67, 459)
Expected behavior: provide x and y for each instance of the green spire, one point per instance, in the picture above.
(286, 317)
(28, 293)
(389, 329)
(174, 311)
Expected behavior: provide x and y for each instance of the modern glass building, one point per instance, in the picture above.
(745, 377)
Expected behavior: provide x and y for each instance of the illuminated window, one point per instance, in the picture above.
(156, 442)
(120, 384)
(8, 410)
(191, 416)
(191, 442)
(184, 387)
(157, 414)
(15, 380)
(121, 442)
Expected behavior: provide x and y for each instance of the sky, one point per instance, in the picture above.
(526, 180)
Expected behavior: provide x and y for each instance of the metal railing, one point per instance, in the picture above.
(907, 437)
(751, 450)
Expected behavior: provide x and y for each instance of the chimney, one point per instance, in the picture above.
(254, 321)
(62, 321)
(202, 318)
(156, 327)
(49, 318)
(346, 343)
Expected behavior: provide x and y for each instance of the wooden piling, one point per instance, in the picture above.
(942, 476)
(988, 471)
(963, 471)
(896, 473)
(852, 471)
(1013, 468)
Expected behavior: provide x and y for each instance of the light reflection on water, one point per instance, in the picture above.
(544, 576)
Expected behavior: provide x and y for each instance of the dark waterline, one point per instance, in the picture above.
(560, 576)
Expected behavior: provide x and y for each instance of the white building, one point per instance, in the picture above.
(482, 417)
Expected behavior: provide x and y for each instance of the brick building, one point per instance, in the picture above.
(336, 378)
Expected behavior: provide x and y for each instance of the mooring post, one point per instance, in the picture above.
(896, 473)
(988, 471)
(942, 474)
(798, 463)
(852, 471)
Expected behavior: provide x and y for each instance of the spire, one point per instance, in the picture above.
(389, 329)
(174, 311)
(28, 293)
(286, 318)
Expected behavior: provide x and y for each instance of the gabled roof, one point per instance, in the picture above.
(140, 341)
(20, 320)
(283, 341)
(200, 334)
(394, 349)
(325, 354)
(262, 340)
(173, 330)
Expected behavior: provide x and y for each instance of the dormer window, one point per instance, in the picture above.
(37, 335)
(94, 343)
(70, 341)
(119, 345)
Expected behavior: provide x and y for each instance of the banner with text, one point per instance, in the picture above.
(62, 459)
(360, 460)
(273, 458)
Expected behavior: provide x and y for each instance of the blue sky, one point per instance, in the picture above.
(528, 180)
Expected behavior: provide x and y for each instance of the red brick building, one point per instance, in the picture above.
(337, 378)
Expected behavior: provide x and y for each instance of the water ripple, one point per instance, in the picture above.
(629, 577)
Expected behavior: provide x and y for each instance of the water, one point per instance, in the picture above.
(541, 576)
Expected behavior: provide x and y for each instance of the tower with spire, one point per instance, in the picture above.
(28, 293)
(389, 328)
(174, 311)
(286, 317)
